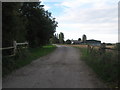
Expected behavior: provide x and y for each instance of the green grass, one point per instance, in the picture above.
(105, 65)
(24, 57)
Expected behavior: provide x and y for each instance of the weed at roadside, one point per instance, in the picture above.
(105, 65)
(24, 57)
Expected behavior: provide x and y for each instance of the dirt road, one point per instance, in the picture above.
(60, 69)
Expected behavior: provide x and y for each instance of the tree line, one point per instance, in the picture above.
(84, 38)
(57, 38)
(26, 21)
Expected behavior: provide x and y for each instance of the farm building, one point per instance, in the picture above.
(90, 42)
(93, 42)
(75, 42)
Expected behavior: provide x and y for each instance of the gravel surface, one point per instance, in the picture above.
(63, 68)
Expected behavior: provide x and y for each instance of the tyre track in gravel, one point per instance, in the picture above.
(63, 68)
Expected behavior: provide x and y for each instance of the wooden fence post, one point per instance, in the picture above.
(102, 48)
(15, 46)
(88, 48)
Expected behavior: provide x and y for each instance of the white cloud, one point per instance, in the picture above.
(98, 12)
(94, 31)
(98, 18)
(108, 38)
(90, 28)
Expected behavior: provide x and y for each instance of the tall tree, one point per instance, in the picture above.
(13, 25)
(84, 38)
(68, 41)
(41, 25)
(54, 39)
(61, 38)
(27, 21)
(79, 39)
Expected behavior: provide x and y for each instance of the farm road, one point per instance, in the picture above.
(60, 69)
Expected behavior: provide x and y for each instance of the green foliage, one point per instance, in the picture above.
(68, 41)
(41, 25)
(84, 38)
(11, 63)
(27, 21)
(24, 57)
(117, 47)
(79, 39)
(61, 38)
(57, 38)
(105, 65)
(54, 39)
(13, 24)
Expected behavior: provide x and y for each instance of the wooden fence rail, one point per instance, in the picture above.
(103, 48)
(14, 47)
(6, 48)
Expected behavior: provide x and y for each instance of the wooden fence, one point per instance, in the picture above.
(14, 47)
(102, 48)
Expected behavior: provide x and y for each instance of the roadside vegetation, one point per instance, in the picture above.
(25, 22)
(24, 57)
(106, 64)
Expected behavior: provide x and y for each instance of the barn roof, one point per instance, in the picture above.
(92, 40)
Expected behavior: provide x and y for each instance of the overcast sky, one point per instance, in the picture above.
(97, 19)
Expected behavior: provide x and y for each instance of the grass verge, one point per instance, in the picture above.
(24, 57)
(105, 65)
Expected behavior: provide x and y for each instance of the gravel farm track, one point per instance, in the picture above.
(62, 68)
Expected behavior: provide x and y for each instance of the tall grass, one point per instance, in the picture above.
(24, 57)
(106, 65)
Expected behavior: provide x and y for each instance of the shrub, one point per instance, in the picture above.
(105, 65)
(117, 46)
